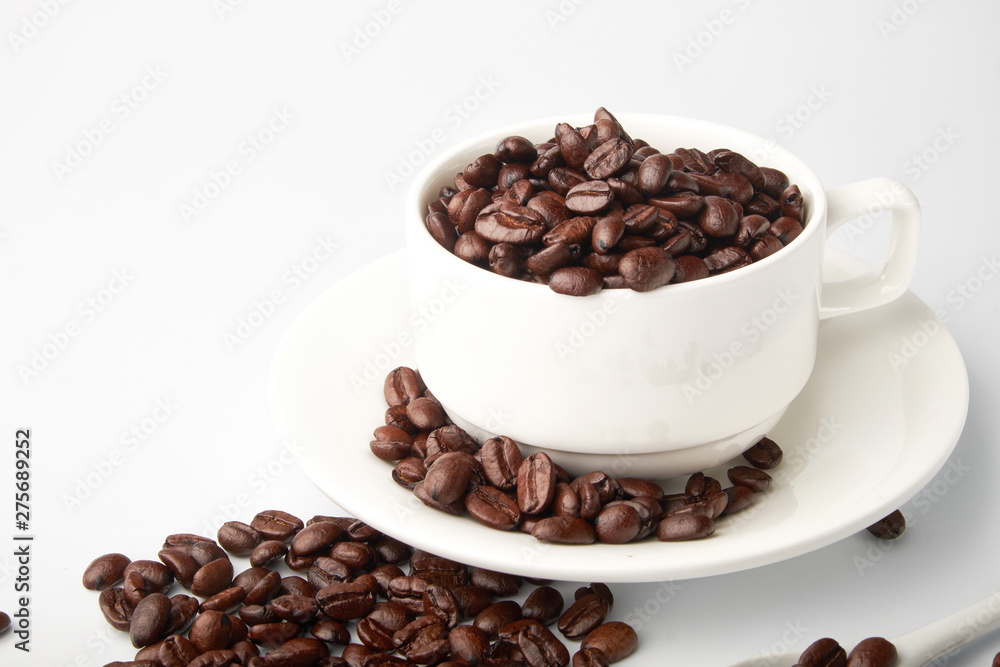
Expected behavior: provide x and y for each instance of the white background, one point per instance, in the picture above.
(114, 115)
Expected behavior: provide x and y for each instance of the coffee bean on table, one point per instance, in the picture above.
(105, 571)
(150, 620)
(238, 538)
(276, 525)
(824, 652)
(872, 652)
(614, 639)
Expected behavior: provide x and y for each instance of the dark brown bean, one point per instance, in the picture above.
(426, 413)
(517, 225)
(345, 601)
(536, 483)
(544, 604)
(105, 571)
(786, 229)
(259, 583)
(564, 530)
(727, 259)
(685, 526)
(754, 478)
(150, 620)
(276, 525)
(441, 604)
(441, 229)
(483, 171)
(765, 454)
(618, 524)
(889, 527)
(272, 635)
(873, 652)
(295, 608)
(541, 648)
(473, 248)
(325, 571)
(548, 259)
(225, 600)
(614, 639)
(469, 643)
(608, 159)
(492, 507)
(211, 630)
(791, 203)
(423, 641)
(690, 267)
(718, 217)
(738, 499)
(589, 657)
(573, 231)
(572, 145)
(576, 281)
(645, 269)
(824, 652)
(401, 386)
(584, 615)
(589, 197)
(516, 149)
(497, 615)
(506, 260)
(765, 246)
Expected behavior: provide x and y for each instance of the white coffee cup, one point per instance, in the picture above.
(677, 379)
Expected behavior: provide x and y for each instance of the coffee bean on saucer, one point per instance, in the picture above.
(890, 527)
(765, 454)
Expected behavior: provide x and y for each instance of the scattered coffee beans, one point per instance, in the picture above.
(440, 612)
(499, 487)
(827, 652)
(592, 208)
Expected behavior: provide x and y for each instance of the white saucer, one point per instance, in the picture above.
(879, 417)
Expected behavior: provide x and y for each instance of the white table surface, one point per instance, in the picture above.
(149, 412)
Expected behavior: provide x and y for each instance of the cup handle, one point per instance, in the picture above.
(880, 286)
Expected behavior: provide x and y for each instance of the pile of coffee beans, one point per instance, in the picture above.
(592, 208)
(496, 485)
(871, 652)
(353, 592)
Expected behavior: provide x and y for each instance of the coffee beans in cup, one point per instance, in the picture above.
(592, 208)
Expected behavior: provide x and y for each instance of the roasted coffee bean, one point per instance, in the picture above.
(696, 160)
(150, 620)
(238, 538)
(357, 556)
(584, 615)
(596, 588)
(255, 614)
(330, 632)
(501, 458)
(497, 615)
(765, 454)
(276, 525)
(298, 652)
(295, 608)
(824, 652)
(786, 229)
(590, 500)
(573, 231)
(493, 507)
(440, 604)
(751, 228)
(401, 386)
(396, 416)
(516, 149)
(791, 203)
(761, 204)
(572, 145)
(564, 530)
(483, 171)
(605, 485)
(105, 571)
(345, 601)
(448, 477)
(576, 281)
(272, 635)
(731, 186)
(541, 648)
(216, 658)
(426, 413)
(314, 538)
(754, 478)
(589, 657)
(546, 162)
(653, 174)
(544, 604)
(872, 652)
(563, 179)
(468, 643)
(516, 225)
(566, 501)
(423, 641)
(212, 578)
(638, 218)
(684, 526)
(355, 655)
(889, 527)
(184, 540)
(473, 248)
(614, 639)
(409, 472)
(509, 175)
(374, 635)
(500, 584)
(455, 508)
(176, 651)
(733, 162)
(441, 229)
(211, 630)
(690, 267)
(645, 269)
(608, 159)
(326, 571)
(471, 600)
(727, 259)
(619, 524)
(116, 609)
(589, 197)
(391, 443)
(226, 600)
(718, 217)
(606, 234)
(738, 499)
(437, 570)
(156, 577)
(506, 260)
(259, 583)
(765, 246)
(536, 483)
(544, 262)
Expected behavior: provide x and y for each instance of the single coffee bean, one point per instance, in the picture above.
(330, 632)
(176, 651)
(564, 530)
(441, 229)
(765, 246)
(423, 641)
(614, 639)
(761, 204)
(608, 159)
(469, 643)
(890, 527)
(617, 525)
(751, 228)
(576, 281)
(690, 267)
(733, 162)
(765, 454)
(572, 145)
(791, 203)
(295, 608)
(272, 635)
(786, 229)
(696, 160)
(718, 217)
(685, 526)
(645, 269)
(497, 615)
(426, 413)
(544, 262)
(685, 205)
(471, 600)
(401, 386)
(872, 652)
(589, 657)
(441, 571)
(541, 648)
(492, 507)
(238, 538)
(536, 483)
(391, 443)
(298, 652)
(584, 615)
(116, 609)
(589, 197)
(573, 231)
(653, 174)
(544, 604)
(276, 525)
(184, 540)
(211, 630)
(105, 571)
(483, 171)
(345, 601)
(212, 578)
(727, 259)
(824, 652)
(150, 620)
(325, 571)
(775, 182)
(506, 260)
(516, 225)
(448, 477)
(473, 248)
(563, 179)
(409, 472)
(738, 498)
(626, 193)
(225, 601)
(501, 458)
(516, 149)
(259, 583)
(754, 478)
(441, 604)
